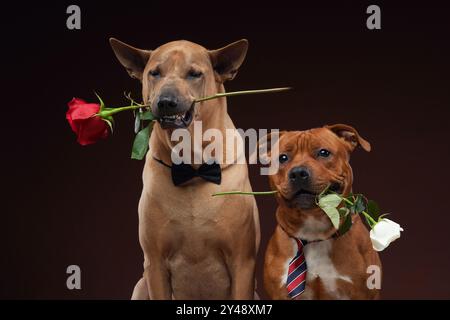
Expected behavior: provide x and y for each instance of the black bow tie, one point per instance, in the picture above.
(182, 172)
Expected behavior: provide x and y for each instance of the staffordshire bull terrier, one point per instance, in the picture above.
(306, 258)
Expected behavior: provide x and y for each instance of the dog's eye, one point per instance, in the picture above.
(155, 73)
(324, 153)
(194, 74)
(283, 158)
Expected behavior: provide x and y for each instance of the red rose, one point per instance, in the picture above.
(88, 127)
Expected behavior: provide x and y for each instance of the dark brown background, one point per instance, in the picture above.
(65, 204)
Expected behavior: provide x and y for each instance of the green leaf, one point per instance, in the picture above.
(140, 144)
(373, 210)
(147, 115)
(323, 191)
(358, 205)
(333, 214)
(330, 200)
(344, 211)
(137, 121)
(346, 225)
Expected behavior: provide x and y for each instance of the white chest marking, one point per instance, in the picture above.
(319, 264)
(311, 227)
(318, 260)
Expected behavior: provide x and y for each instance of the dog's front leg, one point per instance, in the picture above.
(243, 278)
(158, 281)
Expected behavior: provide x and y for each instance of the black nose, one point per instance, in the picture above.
(299, 175)
(167, 102)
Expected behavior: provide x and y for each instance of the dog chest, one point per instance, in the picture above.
(320, 267)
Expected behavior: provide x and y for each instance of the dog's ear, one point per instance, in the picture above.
(133, 59)
(227, 60)
(350, 136)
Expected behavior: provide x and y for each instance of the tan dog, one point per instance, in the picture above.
(195, 246)
(336, 267)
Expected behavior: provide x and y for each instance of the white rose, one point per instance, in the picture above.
(383, 233)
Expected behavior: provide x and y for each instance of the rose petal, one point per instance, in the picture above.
(71, 123)
(75, 101)
(83, 111)
(384, 233)
(91, 130)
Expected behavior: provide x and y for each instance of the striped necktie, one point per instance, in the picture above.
(296, 279)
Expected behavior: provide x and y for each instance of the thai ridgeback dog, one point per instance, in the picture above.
(305, 258)
(195, 246)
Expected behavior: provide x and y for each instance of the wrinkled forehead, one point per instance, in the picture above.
(301, 141)
(179, 53)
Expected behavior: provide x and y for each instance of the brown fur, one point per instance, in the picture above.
(351, 253)
(195, 246)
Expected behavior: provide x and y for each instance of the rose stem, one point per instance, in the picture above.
(110, 112)
(237, 93)
(256, 193)
(372, 221)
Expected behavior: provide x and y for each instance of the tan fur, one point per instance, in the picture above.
(341, 272)
(195, 246)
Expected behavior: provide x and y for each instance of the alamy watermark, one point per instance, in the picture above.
(199, 146)
(373, 22)
(73, 21)
(74, 279)
(374, 278)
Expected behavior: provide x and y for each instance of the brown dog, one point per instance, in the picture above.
(336, 267)
(195, 246)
